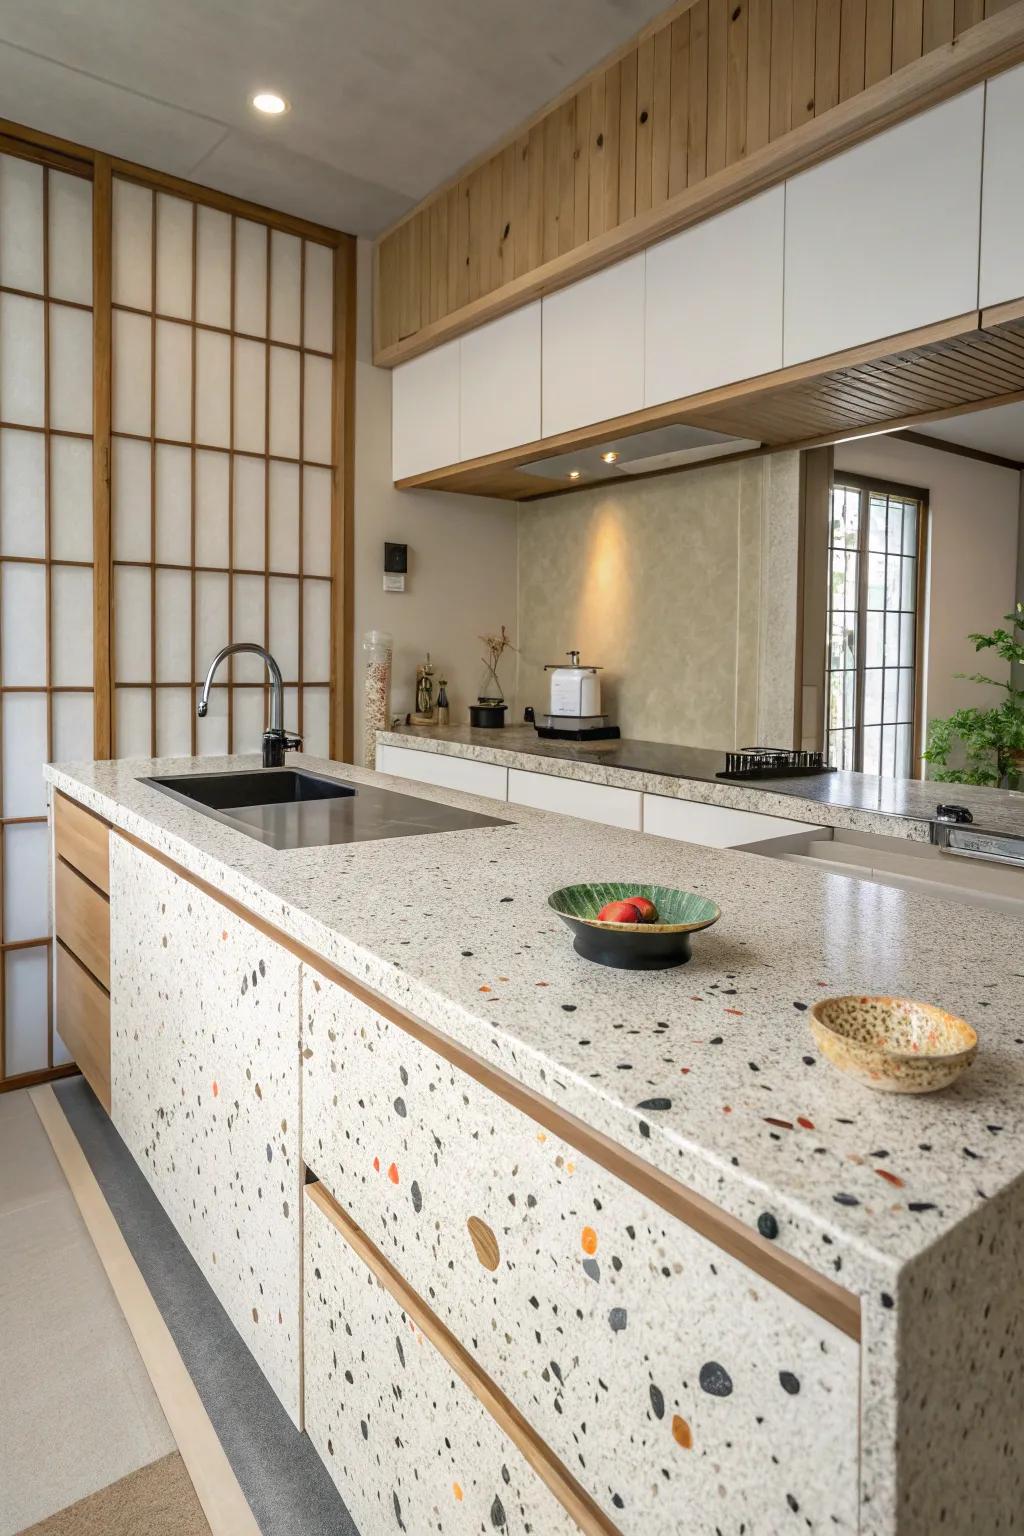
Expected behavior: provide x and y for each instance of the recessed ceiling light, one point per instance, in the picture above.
(610, 457)
(574, 474)
(270, 103)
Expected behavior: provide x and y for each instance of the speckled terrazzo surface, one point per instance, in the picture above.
(861, 802)
(709, 1071)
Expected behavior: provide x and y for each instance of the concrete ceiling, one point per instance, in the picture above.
(999, 430)
(388, 97)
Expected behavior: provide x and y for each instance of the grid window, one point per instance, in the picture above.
(874, 560)
(221, 473)
(46, 574)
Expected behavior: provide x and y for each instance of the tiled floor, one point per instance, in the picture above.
(77, 1410)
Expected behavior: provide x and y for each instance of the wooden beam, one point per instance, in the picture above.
(102, 238)
(343, 418)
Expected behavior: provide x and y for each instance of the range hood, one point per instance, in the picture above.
(643, 453)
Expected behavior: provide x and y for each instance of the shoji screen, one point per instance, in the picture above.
(221, 472)
(46, 618)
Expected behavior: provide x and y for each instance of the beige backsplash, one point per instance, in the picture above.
(683, 588)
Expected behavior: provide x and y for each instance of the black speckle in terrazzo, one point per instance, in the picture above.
(270, 1153)
(592, 1268)
(400, 1106)
(568, 1007)
(263, 968)
(789, 1382)
(617, 1319)
(767, 1225)
(467, 954)
(398, 1512)
(657, 1401)
(416, 1196)
(794, 1506)
(715, 1379)
(508, 898)
(921, 1205)
(497, 1513)
(715, 1040)
(365, 1429)
(655, 1104)
(843, 1199)
(802, 1007)
(645, 1130)
(810, 1061)
(887, 1301)
(401, 1351)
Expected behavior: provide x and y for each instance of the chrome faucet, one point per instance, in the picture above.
(275, 741)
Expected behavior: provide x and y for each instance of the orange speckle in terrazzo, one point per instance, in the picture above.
(542, 983)
(681, 1432)
(393, 1172)
(457, 1491)
(726, 1109)
(542, 1136)
(808, 1125)
(588, 1240)
(503, 978)
(570, 1168)
(376, 1165)
(684, 1071)
(737, 1011)
(223, 933)
(485, 988)
(890, 1178)
(214, 1089)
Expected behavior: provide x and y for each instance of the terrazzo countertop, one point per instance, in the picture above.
(707, 1071)
(861, 802)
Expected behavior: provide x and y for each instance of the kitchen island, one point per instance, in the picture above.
(585, 1248)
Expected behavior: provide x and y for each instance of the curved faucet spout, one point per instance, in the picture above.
(276, 682)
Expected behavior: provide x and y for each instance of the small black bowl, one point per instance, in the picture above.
(633, 946)
(487, 716)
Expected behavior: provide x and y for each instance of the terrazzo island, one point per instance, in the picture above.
(586, 1249)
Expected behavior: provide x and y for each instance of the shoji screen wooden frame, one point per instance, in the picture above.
(101, 170)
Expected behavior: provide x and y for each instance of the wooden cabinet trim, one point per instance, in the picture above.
(83, 1021)
(812, 1290)
(539, 1456)
(82, 839)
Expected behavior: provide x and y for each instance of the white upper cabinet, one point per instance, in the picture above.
(593, 348)
(1002, 207)
(501, 383)
(425, 411)
(714, 301)
(884, 237)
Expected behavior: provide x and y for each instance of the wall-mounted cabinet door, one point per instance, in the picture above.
(884, 237)
(425, 411)
(593, 348)
(714, 301)
(1002, 208)
(500, 406)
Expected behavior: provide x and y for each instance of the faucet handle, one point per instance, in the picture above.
(292, 743)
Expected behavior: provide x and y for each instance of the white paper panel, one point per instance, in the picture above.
(23, 625)
(72, 727)
(174, 722)
(213, 389)
(248, 712)
(319, 327)
(211, 508)
(131, 625)
(173, 626)
(70, 369)
(250, 492)
(22, 494)
(173, 256)
(213, 267)
(212, 730)
(211, 619)
(70, 237)
(174, 381)
(316, 631)
(284, 517)
(71, 645)
(131, 373)
(173, 505)
(27, 1010)
(284, 625)
(21, 224)
(131, 722)
(26, 882)
(250, 395)
(316, 410)
(21, 360)
(132, 252)
(285, 286)
(24, 753)
(248, 625)
(316, 521)
(250, 277)
(284, 402)
(130, 499)
(70, 498)
(316, 714)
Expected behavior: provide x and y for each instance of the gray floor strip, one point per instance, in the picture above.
(280, 1473)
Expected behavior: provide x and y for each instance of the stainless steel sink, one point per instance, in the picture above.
(290, 808)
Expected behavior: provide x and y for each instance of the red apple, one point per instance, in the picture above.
(619, 912)
(648, 911)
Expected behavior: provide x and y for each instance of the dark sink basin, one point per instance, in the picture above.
(290, 808)
(263, 786)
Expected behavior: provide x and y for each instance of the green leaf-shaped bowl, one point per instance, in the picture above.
(633, 946)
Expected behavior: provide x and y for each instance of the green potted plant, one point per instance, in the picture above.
(992, 739)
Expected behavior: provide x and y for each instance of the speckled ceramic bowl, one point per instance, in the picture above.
(893, 1044)
(633, 946)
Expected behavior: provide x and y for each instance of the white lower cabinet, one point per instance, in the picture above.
(447, 772)
(572, 797)
(714, 826)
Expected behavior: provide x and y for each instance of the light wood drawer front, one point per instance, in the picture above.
(83, 840)
(83, 1023)
(585, 1301)
(83, 921)
(408, 1443)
